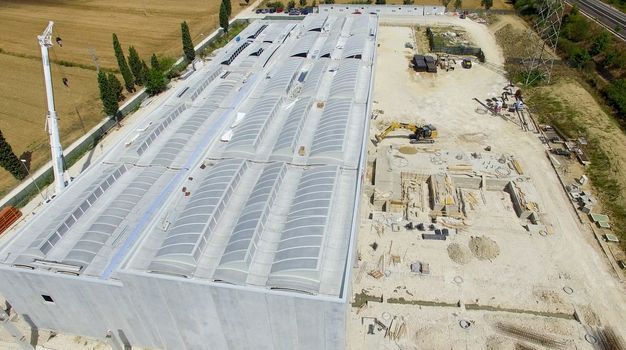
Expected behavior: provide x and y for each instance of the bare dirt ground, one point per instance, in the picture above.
(149, 25)
(571, 106)
(524, 296)
(600, 126)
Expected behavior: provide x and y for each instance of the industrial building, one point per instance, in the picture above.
(228, 216)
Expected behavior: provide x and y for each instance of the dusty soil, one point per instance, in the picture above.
(529, 274)
(149, 25)
(510, 31)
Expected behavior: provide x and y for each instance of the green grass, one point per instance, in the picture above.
(47, 180)
(604, 179)
(59, 62)
(42, 183)
(223, 39)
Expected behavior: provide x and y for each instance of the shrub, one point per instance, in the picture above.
(156, 82)
(615, 94)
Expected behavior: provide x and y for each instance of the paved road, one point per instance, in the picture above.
(608, 16)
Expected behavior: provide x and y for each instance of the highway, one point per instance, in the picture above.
(609, 17)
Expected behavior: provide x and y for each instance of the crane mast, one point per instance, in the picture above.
(45, 41)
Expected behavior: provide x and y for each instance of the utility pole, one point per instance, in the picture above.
(33, 180)
(45, 41)
(94, 57)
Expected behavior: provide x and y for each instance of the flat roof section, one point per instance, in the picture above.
(247, 174)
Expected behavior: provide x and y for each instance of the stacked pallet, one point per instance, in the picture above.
(8, 215)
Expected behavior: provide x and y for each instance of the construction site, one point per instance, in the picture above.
(332, 182)
(470, 239)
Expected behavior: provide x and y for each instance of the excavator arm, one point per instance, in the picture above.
(394, 126)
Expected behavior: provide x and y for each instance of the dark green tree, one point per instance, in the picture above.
(330, 2)
(616, 94)
(487, 4)
(135, 66)
(576, 27)
(188, 49)
(291, 4)
(275, 5)
(154, 62)
(224, 17)
(580, 57)
(314, 4)
(229, 9)
(121, 62)
(302, 3)
(156, 82)
(445, 3)
(601, 42)
(614, 57)
(9, 160)
(116, 86)
(458, 4)
(108, 95)
(145, 69)
(380, 2)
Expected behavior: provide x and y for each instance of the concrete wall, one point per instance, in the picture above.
(384, 10)
(172, 313)
(473, 183)
(522, 212)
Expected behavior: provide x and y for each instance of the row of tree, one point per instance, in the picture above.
(225, 13)
(9, 161)
(593, 49)
(135, 72)
(459, 3)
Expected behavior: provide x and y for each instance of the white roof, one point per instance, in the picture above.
(271, 208)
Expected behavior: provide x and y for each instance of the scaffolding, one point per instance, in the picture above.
(539, 57)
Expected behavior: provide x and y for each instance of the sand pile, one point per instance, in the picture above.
(459, 254)
(407, 150)
(484, 248)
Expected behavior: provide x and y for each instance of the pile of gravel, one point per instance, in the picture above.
(484, 248)
(459, 254)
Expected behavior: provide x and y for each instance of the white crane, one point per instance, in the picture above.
(45, 41)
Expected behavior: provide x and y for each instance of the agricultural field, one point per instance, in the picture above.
(85, 26)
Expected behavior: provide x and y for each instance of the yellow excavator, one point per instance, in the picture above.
(420, 133)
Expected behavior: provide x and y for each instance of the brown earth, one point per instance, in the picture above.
(149, 25)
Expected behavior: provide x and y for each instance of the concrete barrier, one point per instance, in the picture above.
(384, 10)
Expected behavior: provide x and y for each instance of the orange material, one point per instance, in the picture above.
(8, 215)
